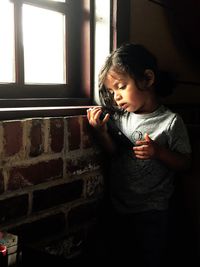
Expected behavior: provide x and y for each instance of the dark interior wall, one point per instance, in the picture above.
(156, 24)
(167, 28)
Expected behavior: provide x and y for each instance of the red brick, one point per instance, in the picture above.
(57, 134)
(74, 138)
(57, 195)
(83, 164)
(13, 208)
(35, 174)
(13, 137)
(87, 134)
(37, 146)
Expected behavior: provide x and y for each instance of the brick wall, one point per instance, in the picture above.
(51, 178)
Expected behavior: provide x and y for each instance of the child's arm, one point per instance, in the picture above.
(100, 126)
(149, 149)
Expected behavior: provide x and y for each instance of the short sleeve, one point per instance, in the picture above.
(178, 136)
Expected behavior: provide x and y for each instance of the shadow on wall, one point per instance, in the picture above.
(184, 19)
(184, 237)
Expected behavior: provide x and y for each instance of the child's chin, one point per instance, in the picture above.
(129, 109)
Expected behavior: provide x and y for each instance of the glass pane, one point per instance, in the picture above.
(44, 49)
(7, 66)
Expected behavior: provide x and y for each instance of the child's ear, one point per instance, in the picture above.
(149, 77)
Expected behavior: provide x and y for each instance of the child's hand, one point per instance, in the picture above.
(146, 148)
(93, 115)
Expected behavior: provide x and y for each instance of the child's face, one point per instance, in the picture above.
(126, 94)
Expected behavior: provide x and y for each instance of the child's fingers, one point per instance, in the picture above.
(140, 148)
(140, 143)
(91, 112)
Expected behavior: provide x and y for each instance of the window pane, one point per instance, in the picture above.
(44, 49)
(7, 67)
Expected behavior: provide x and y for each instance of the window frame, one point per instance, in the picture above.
(20, 94)
(80, 93)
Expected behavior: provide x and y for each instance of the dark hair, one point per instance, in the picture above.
(132, 59)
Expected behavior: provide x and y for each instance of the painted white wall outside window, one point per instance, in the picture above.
(102, 38)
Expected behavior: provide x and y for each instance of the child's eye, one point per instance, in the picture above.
(122, 87)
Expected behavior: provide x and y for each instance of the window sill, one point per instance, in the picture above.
(30, 112)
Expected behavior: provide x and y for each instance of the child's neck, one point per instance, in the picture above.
(150, 106)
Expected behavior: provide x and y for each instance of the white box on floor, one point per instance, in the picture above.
(11, 242)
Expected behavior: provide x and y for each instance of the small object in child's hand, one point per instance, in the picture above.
(102, 116)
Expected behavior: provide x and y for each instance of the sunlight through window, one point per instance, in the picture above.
(44, 49)
(102, 37)
(7, 71)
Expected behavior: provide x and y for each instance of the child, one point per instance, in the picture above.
(141, 175)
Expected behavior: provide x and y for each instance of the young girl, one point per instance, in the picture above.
(141, 174)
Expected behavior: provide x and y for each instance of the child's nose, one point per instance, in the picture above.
(117, 96)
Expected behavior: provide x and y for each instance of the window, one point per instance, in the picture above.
(51, 50)
(45, 51)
